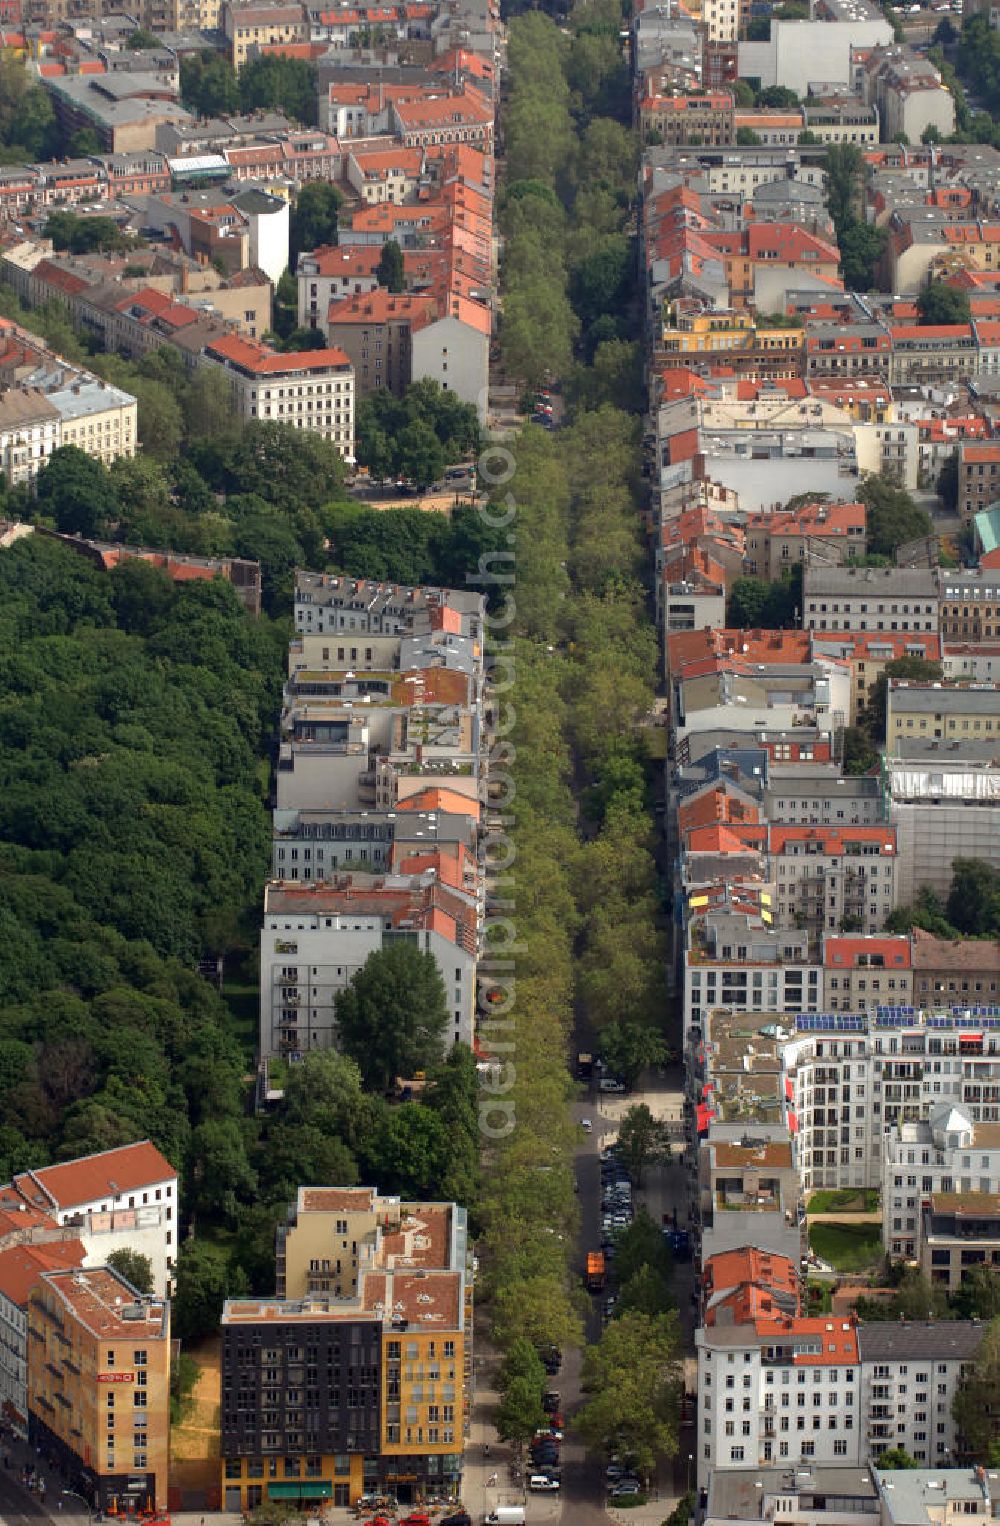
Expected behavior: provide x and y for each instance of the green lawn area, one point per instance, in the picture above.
(844, 1200)
(847, 1247)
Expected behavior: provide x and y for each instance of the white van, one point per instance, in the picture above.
(506, 1515)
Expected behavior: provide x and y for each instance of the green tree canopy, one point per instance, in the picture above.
(640, 1140)
(73, 489)
(939, 302)
(633, 1381)
(892, 516)
(390, 267)
(134, 1267)
(629, 1048)
(392, 1017)
(314, 218)
(976, 1407)
(974, 900)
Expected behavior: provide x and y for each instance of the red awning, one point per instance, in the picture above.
(708, 1087)
(970, 1038)
(793, 1122)
(789, 1090)
(703, 1113)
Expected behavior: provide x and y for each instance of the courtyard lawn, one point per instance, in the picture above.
(847, 1247)
(844, 1200)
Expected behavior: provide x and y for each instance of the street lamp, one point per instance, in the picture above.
(83, 1499)
(690, 1461)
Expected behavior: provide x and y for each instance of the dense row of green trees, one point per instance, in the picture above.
(971, 910)
(208, 484)
(417, 435)
(588, 902)
(861, 244)
(134, 839)
(569, 261)
(211, 87)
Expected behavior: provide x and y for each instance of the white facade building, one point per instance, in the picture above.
(946, 1152)
(307, 389)
(316, 938)
(122, 1199)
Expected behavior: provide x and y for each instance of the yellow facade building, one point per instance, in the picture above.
(356, 1377)
(99, 1386)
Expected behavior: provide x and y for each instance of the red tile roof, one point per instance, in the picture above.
(261, 361)
(843, 952)
(106, 1175)
(832, 842)
(22, 1265)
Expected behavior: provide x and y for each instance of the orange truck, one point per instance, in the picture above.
(595, 1271)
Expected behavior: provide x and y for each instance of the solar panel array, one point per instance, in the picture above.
(895, 1017)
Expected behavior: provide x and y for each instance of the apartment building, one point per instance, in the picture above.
(778, 1389)
(312, 844)
(96, 417)
(20, 1268)
(869, 651)
(861, 972)
(375, 332)
(30, 430)
(748, 1194)
(870, 599)
(959, 1231)
(945, 1152)
(955, 973)
(249, 29)
(941, 712)
(873, 1070)
(308, 389)
(924, 354)
(978, 476)
(49, 403)
(374, 1308)
(833, 879)
(118, 1199)
(811, 796)
(970, 607)
(941, 796)
(99, 1387)
(739, 960)
(328, 275)
(776, 541)
(842, 121)
(910, 1373)
(317, 936)
(326, 603)
(681, 118)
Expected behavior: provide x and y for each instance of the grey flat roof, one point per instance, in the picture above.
(910, 1495)
(926, 749)
(738, 1493)
(885, 582)
(975, 699)
(932, 1340)
(806, 783)
(764, 1231)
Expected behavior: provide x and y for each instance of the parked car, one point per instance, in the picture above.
(551, 1401)
(541, 1483)
(551, 1359)
(612, 1084)
(586, 1125)
(626, 1488)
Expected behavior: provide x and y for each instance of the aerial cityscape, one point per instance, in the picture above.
(500, 762)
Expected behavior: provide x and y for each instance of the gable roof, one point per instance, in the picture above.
(107, 1175)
